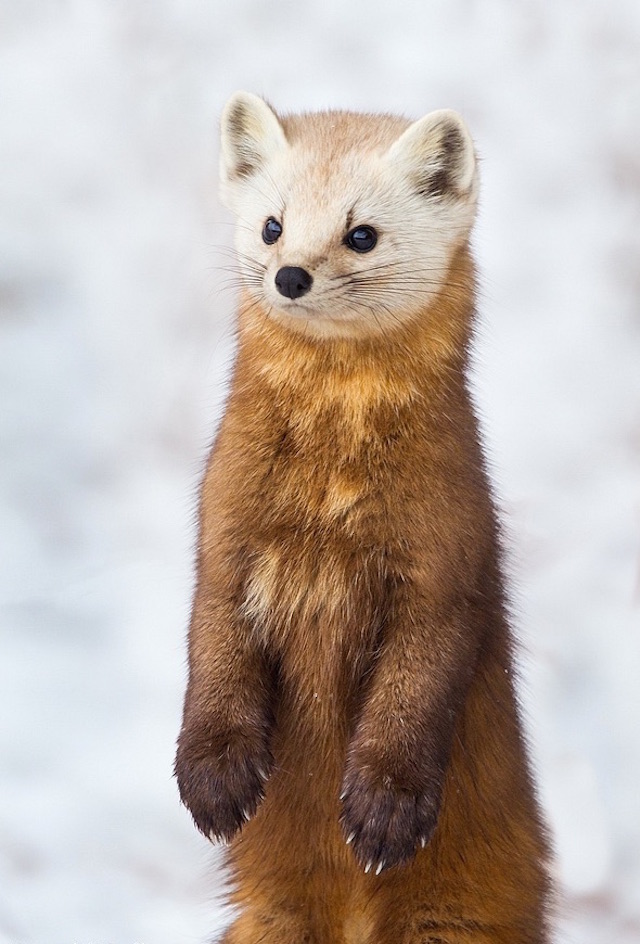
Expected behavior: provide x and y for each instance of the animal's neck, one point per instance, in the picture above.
(415, 362)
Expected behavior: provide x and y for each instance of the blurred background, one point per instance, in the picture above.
(115, 346)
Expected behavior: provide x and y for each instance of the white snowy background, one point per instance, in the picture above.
(115, 345)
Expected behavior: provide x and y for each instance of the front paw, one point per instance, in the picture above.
(221, 780)
(384, 822)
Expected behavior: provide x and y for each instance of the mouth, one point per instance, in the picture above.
(308, 311)
(295, 309)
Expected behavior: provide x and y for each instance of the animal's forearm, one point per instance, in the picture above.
(223, 756)
(398, 754)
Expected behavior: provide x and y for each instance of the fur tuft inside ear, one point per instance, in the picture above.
(437, 155)
(250, 134)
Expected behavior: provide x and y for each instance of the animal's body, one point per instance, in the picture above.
(350, 723)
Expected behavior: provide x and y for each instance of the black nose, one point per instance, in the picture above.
(292, 281)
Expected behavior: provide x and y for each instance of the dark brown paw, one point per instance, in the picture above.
(221, 781)
(384, 824)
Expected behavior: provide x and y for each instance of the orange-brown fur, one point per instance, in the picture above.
(349, 637)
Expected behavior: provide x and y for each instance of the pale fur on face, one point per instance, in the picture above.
(321, 175)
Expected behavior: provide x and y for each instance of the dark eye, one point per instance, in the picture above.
(271, 231)
(361, 239)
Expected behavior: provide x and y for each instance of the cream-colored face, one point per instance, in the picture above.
(346, 223)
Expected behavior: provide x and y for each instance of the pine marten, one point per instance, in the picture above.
(350, 723)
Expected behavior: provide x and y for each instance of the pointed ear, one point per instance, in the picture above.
(250, 134)
(436, 153)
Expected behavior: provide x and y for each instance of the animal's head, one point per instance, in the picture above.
(346, 223)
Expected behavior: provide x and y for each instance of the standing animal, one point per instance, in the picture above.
(350, 723)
